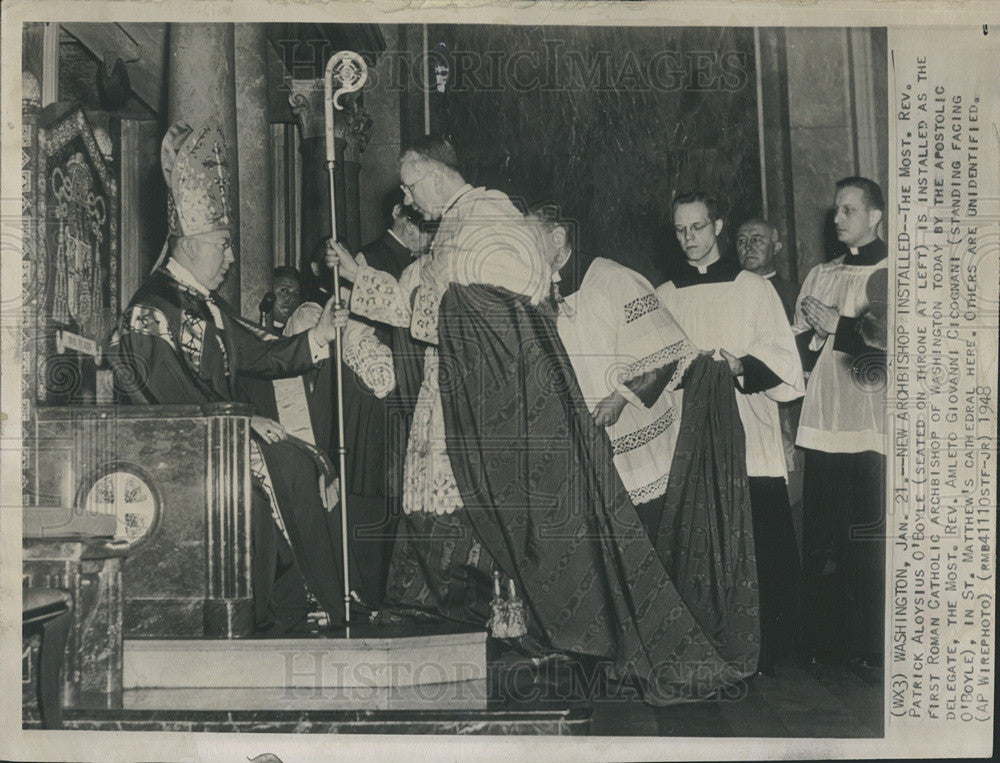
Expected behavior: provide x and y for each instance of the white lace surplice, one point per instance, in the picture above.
(838, 416)
(362, 352)
(615, 329)
(482, 239)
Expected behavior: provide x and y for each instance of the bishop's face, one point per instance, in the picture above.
(420, 184)
(209, 257)
(697, 233)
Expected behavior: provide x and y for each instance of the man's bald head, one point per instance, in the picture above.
(757, 243)
(429, 175)
(436, 147)
(407, 225)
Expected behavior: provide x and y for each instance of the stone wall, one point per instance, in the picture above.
(838, 126)
(609, 123)
(379, 171)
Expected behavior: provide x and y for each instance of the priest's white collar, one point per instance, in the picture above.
(703, 268)
(392, 233)
(183, 276)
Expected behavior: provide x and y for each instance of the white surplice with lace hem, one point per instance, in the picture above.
(482, 239)
(614, 330)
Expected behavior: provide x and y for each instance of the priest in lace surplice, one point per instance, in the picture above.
(629, 355)
(679, 455)
(737, 313)
(509, 475)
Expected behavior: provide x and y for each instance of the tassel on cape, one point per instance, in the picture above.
(508, 618)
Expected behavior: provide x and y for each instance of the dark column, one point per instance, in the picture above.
(254, 131)
(411, 73)
(307, 103)
(777, 146)
(381, 173)
(201, 84)
(350, 136)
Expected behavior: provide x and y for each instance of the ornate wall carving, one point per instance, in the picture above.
(71, 208)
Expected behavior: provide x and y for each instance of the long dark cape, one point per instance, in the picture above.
(542, 495)
(151, 368)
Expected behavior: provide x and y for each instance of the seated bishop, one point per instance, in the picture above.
(178, 342)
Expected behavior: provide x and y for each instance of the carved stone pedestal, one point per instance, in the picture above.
(90, 570)
(178, 480)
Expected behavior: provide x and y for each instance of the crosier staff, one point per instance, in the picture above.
(351, 73)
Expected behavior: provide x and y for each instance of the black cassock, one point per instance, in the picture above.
(376, 431)
(168, 350)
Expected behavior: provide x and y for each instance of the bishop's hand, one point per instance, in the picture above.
(268, 430)
(333, 318)
(338, 256)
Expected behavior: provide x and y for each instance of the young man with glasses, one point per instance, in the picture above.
(738, 315)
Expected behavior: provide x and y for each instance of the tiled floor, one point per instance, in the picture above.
(800, 701)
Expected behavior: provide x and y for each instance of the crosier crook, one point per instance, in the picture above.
(350, 70)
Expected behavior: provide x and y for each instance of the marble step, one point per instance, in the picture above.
(550, 721)
(465, 695)
(363, 662)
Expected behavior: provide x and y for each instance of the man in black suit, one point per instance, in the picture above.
(402, 242)
(377, 427)
(757, 243)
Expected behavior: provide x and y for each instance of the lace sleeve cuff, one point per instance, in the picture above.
(369, 358)
(378, 296)
(681, 351)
